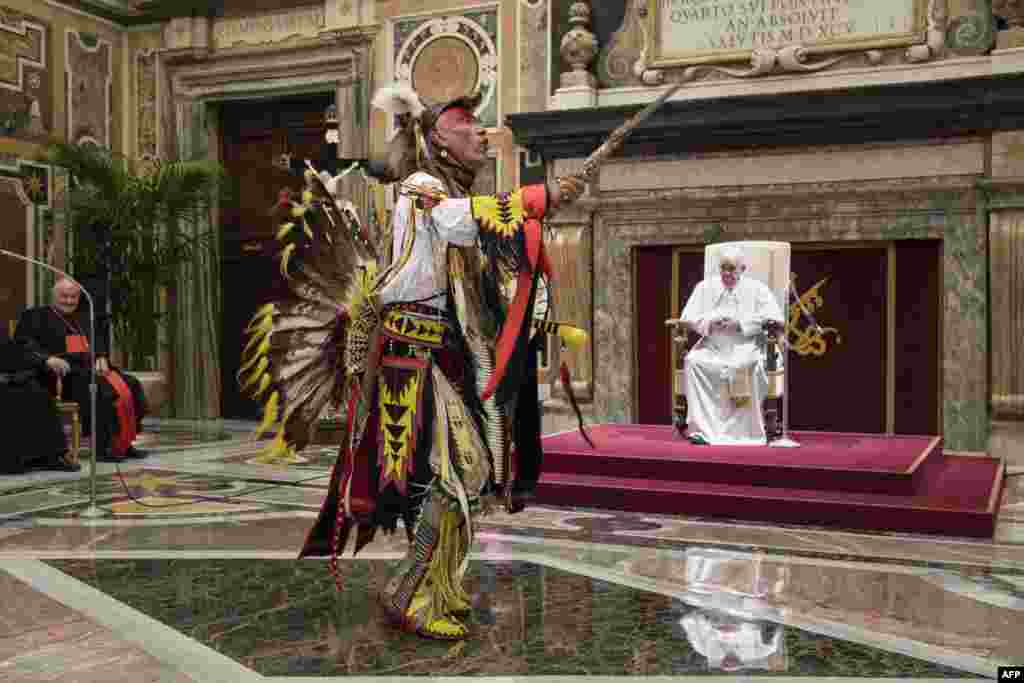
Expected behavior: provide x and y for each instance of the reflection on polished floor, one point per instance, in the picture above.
(190, 576)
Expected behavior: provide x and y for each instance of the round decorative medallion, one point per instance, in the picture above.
(445, 68)
(445, 57)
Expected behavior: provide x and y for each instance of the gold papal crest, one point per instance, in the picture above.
(808, 340)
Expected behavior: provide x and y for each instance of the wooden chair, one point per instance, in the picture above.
(72, 423)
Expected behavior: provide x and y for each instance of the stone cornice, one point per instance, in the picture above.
(867, 114)
(963, 187)
(354, 36)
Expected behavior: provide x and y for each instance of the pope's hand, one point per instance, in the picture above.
(101, 365)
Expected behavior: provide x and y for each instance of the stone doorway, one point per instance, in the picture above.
(254, 134)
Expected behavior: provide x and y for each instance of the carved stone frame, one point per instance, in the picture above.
(795, 58)
(191, 74)
(334, 61)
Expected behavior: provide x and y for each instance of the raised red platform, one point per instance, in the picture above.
(825, 460)
(856, 481)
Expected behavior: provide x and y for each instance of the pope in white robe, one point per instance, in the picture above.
(731, 643)
(724, 376)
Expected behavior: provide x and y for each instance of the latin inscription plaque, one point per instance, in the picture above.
(700, 31)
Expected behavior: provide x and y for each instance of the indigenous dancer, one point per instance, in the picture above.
(409, 328)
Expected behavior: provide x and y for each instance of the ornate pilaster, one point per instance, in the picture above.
(577, 87)
(1006, 245)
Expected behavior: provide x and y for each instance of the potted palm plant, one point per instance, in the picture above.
(132, 226)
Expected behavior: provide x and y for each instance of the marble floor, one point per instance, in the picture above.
(189, 574)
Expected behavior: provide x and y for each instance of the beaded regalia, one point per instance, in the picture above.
(438, 393)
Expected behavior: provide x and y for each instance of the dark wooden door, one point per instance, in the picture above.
(13, 292)
(254, 135)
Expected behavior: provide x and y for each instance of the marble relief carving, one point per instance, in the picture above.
(269, 27)
(26, 105)
(89, 71)
(444, 57)
(533, 55)
(147, 115)
(972, 29)
(578, 48)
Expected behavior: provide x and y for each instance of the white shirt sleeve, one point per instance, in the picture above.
(451, 218)
(454, 221)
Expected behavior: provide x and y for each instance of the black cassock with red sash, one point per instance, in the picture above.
(120, 401)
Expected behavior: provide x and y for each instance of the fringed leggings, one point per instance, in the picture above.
(428, 585)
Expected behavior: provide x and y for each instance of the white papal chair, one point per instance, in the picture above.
(768, 262)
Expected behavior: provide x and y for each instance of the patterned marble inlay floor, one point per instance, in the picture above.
(189, 574)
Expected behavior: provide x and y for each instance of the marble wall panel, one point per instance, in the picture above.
(89, 74)
(822, 164)
(26, 102)
(144, 82)
(1008, 154)
(533, 55)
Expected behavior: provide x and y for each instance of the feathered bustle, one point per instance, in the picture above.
(397, 99)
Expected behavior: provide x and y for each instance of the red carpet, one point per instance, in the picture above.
(857, 481)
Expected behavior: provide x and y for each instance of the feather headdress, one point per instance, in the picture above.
(398, 99)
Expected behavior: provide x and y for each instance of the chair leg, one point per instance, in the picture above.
(771, 410)
(679, 415)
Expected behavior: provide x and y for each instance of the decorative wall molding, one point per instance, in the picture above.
(463, 46)
(900, 111)
(259, 72)
(26, 104)
(269, 27)
(146, 79)
(89, 69)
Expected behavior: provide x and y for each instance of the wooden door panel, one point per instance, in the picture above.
(13, 292)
